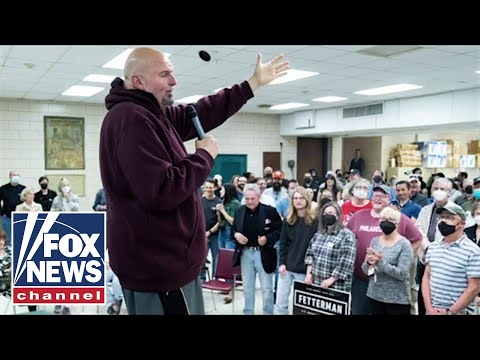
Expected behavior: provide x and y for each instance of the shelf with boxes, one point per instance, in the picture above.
(437, 154)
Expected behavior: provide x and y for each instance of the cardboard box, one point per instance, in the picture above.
(474, 147)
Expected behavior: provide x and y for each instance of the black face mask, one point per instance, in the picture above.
(378, 179)
(387, 227)
(329, 219)
(277, 186)
(339, 175)
(44, 186)
(446, 229)
(307, 179)
(268, 176)
(324, 201)
(468, 190)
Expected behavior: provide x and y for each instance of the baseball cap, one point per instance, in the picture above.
(476, 180)
(453, 209)
(218, 177)
(383, 188)
(354, 172)
(413, 177)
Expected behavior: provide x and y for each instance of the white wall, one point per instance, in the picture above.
(22, 141)
(423, 111)
(253, 134)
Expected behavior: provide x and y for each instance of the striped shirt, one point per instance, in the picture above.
(332, 254)
(450, 268)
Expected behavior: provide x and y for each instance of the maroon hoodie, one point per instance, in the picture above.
(155, 220)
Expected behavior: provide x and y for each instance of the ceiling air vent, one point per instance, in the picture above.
(367, 110)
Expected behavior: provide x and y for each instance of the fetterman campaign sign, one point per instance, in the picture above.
(314, 300)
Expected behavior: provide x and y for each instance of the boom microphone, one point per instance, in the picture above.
(192, 114)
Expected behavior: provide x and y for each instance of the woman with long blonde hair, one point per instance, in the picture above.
(298, 228)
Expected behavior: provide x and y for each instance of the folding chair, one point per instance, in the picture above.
(226, 277)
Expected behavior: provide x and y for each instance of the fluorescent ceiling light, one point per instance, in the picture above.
(190, 99)
(388, 89)
(79, 90)
(329, 99)
(287, 106)
(118, 62)
(99, 78)
(478, 71)
(293, 75)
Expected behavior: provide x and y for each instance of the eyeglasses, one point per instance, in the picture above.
(378, 196)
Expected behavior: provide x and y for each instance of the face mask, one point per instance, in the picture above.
(268, 176)
(446, 229)
(360, 194)
(387, 227)
(277, 186)
(377, 179)
(468, 189)
(339, 175)
(477, 219)
(44, 186)
(15, 179)
(329, 219)
(476, 194)
(439, 195)
(66, 189)
(241, 186)
(307, 179)
(420, 179)
(324, 201)
(290, 192)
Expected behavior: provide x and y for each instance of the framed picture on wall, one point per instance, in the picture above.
(64, 143)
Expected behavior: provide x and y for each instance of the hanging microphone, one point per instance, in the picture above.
(192, 115)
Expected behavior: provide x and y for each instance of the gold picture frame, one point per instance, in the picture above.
(64, 143)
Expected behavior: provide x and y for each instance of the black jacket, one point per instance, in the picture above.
(471, 234)
(271, 230)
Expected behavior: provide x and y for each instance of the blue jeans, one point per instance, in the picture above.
(224, 240)
(114, 293)
(213, 247)
(360, 302)
(285, 284)
(251, 265)
(7, 227)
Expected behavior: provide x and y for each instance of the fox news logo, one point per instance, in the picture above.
(58, 258)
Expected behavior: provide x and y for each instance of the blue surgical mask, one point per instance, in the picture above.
(15, 179)
(476, 194)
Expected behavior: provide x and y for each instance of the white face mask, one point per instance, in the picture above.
(66, 189)
(439, 195)
(477, 219)
(360, 194)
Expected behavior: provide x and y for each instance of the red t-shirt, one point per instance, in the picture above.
(348, 209)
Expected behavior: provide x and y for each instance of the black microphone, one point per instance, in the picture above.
(192, 115)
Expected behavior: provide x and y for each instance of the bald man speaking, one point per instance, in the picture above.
(156, 234)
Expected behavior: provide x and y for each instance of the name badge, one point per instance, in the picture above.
(330, 245)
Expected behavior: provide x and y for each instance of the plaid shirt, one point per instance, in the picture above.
(332, 255)
(5, 271)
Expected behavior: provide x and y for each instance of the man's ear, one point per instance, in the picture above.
(137, 82)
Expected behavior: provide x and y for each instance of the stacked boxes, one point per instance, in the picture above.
(407, 155)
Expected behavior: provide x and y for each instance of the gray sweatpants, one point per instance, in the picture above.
(188, 300)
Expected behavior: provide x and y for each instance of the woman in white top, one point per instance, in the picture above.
(66, 200)
(27, 195)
